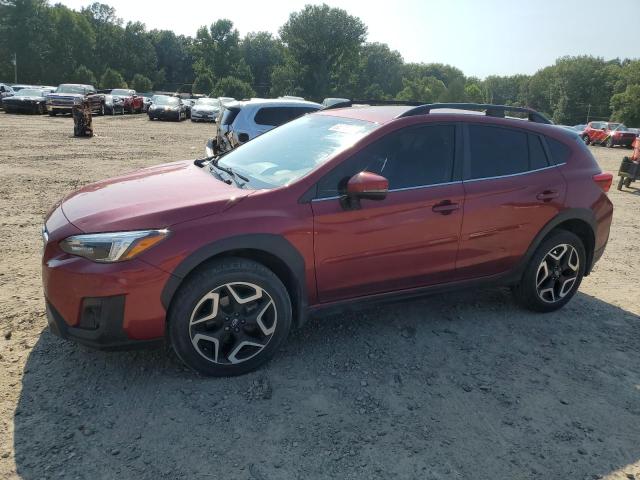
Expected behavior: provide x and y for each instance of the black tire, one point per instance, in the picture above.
(217, 276)
(52, 113)
(627, 182)
(527, 291)
(609, 143)
(101, 111)
(586, 140)
(621, 183)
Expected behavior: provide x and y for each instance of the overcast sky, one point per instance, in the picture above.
(481, 37)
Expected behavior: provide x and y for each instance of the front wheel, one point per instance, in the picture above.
(621, 183)
(101, 111)
(554, 273)
(609, 142)
(586, 139)
(230, 318)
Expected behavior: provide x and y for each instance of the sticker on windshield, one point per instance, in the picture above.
(347, 128)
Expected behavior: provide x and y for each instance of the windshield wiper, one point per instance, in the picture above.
(228, 170)
(213, 162)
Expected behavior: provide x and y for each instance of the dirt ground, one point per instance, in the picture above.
(455, 386)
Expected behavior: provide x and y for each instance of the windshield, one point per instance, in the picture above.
(289, 152)
(71, 89)
(166, 101)
(119, 91)
(31, 92)
(620, 127)
(207, 101)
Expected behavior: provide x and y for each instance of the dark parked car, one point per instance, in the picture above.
(225, 255)
(27, 100)
(69, 94)
(114, 104)
(188, 105)
(133, 103)
(5, 91)
(164, 107)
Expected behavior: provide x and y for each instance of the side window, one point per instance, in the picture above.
(276, 116)
(497, 151)
(411, 157)
(560, 153)
(537, 155)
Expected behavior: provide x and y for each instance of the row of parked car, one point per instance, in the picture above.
(608, 134)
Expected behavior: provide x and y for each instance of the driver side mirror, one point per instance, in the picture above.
(364, 185)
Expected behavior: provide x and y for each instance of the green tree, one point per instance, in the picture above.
(216, 48)
(262, 53)
(83, 75)
(112, 79)
(140, 83)
(380, 71)
(203, 83)
(233, 87)
(174, 56)
(320, 39)
(626, 106)
(473, 93)
(286, 79)
(423, 89)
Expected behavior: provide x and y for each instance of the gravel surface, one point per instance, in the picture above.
(462, 385)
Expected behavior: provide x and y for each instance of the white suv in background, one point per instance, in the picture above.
(242, 121)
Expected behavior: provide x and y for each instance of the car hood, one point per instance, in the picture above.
(205, 109)
(24, 97)
(155, 197)
(69, 95)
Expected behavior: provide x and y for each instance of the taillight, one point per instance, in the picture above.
(604, 180)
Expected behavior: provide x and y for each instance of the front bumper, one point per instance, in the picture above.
(103, 305)
(21, 107)
(60, 108)
(203, 116)
(164, 114)
(102, 325)
(623, 141)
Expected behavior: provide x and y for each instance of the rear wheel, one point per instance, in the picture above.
(609, 142)
(52, 113)
(230, 318)
(554, 273)
(627, 182)
(621, 182)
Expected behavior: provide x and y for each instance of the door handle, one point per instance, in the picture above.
(547, 195)
(445, 207)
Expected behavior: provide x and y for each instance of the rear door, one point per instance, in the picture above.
(512, 191)
(409, 239)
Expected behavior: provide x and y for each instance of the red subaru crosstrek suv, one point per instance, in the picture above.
(224, 255)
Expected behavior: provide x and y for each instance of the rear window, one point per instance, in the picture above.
(276, 116)
(537, 155)
(229, 115)
(560, 152)
(497, 152)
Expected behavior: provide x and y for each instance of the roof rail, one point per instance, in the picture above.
(351, 103)
(489, 109)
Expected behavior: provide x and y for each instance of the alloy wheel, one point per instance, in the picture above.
(233, 323)
(557, 273)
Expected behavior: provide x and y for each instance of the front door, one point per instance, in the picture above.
(409, 239)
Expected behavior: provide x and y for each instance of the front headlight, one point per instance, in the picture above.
(112, 247)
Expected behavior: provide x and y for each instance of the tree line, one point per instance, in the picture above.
(319, 52)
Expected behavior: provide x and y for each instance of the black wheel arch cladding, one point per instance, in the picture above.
(253, 246)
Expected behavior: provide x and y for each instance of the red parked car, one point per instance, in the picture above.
(609, 134)
(133, 103)
(224, 255)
